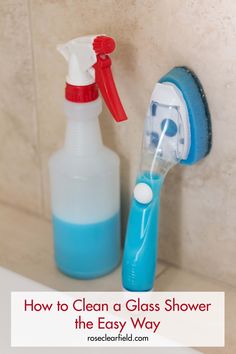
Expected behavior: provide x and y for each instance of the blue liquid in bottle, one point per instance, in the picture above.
(87, 251)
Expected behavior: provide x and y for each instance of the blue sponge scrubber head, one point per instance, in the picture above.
(198, 112)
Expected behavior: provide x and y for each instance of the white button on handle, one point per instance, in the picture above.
(143, 193)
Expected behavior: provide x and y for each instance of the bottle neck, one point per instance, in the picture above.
(83, 135)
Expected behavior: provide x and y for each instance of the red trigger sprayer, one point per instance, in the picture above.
(103, 76)
(89, 65)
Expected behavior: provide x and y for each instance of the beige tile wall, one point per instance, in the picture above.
(198, 212)
(20, 180)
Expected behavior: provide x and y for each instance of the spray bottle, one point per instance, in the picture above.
(84, 174)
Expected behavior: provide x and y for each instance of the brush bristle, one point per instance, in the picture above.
(199, 116)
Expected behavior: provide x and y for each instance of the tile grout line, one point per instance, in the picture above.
(20, 209)
(28, 213)
(196, 274)
(36, 110)
(166, 267)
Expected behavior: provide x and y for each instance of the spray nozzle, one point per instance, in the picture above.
(104, 45)
(89, 67)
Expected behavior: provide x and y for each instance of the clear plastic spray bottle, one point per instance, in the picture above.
(84, 174)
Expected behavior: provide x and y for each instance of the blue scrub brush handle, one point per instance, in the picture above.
(140, 252)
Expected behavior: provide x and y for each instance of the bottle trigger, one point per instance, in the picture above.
(103, 45)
